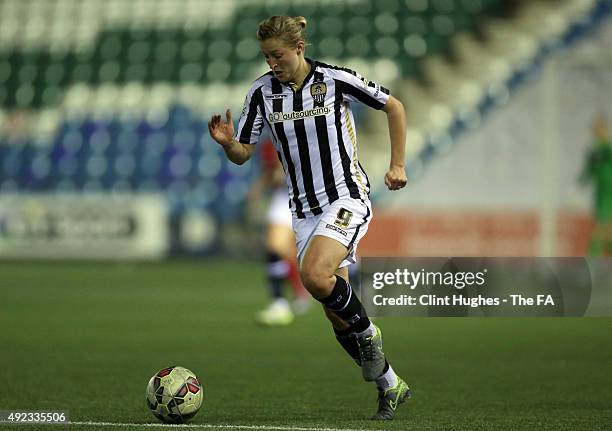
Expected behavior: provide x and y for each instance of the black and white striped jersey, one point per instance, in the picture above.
(314, 132)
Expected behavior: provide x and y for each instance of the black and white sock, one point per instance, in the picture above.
(348, 341)
(346, 305)
(277, 271)
(388, 379)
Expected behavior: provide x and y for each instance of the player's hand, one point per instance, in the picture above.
(395, 178)
(222, 131)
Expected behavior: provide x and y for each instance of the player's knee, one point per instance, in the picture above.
(316, 281)
(310, 279)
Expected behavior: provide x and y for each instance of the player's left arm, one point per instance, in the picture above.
(395, 177)
(356, 88)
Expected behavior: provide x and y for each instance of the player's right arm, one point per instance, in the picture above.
(241, 145)
(223, 133)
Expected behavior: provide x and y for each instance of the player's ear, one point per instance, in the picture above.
(300, 47)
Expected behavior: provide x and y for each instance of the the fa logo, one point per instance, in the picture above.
(318, 90)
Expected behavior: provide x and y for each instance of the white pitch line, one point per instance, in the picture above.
(224, 426)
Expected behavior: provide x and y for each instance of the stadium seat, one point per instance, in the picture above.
(128, 87)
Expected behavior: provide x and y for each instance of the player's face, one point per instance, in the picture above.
(284, 61)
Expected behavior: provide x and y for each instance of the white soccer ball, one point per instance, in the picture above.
(174, 395)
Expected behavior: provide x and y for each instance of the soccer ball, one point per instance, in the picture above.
(174, 395)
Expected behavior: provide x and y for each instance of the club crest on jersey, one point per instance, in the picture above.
(318, 90)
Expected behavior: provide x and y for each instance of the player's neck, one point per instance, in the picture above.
(303, 71)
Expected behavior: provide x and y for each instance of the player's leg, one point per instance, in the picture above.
(319, 264)
(299, 290)
(337, 322)
(327, 283)
(361, 339)
(327, 250)
(302, 301)
(280, 214)
(318, 267)
(278, 240)
(342, 330)
(284, 245)
(281, 266)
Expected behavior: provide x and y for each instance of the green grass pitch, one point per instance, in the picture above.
(86, 338)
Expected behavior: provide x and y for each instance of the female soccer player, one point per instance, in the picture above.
(306, 106)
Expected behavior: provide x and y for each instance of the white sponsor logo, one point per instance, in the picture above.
(278, 117)
(367, 83)
(337, 229)
(276, 96)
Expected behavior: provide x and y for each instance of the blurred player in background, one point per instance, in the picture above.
(281, 264)
(598, 169)
(306, 106)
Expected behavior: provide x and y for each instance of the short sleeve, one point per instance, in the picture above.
(251, 120)
(356, 88)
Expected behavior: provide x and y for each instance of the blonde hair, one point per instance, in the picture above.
(288, 29)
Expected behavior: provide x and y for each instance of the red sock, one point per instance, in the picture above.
(294, 278)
